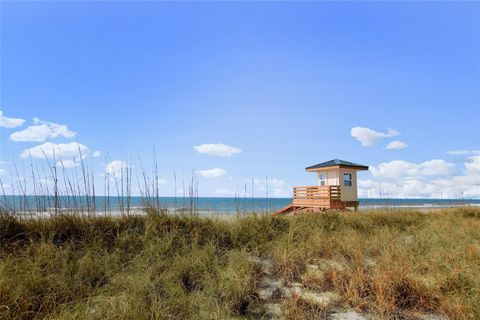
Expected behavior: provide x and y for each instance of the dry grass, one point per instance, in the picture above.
(392, 264)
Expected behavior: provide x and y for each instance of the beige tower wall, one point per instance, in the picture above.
(332, 177)
(348, 193)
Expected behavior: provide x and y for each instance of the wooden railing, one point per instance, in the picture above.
(320, 196)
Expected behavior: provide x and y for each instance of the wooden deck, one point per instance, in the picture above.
(316, 198)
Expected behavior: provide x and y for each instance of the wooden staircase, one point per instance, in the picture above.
(296, 209)
(284, 210)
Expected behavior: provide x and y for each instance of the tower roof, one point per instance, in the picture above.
(337, 163)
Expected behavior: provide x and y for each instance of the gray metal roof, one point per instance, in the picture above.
(338, 162)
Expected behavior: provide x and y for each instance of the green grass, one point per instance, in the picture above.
(392, 264)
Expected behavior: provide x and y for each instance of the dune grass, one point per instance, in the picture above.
(391, 264)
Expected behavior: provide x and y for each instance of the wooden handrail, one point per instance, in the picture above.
(316, 192)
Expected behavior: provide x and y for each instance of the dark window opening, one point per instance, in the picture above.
(347, 179)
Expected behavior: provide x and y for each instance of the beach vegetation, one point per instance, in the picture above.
(389, 264)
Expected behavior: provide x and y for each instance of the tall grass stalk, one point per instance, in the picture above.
(54, 189)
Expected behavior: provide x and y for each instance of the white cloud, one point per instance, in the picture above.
(277, 183)
(212, 173)
(435, 167)
(398, 169)
(42, 131)
(9, 123)
(59, 151)
(435, 178)
(96, 154)
(116, 168)
(281, 193)
(463, 152)
(369, 137)
(224, 192)
(396, 145)
(392, 170)
(45, 181)
(2, 171)
(275, 187)
(473, 166)
(218, 149)
(451, 187)
(67, 163)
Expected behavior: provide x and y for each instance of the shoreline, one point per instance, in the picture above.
(224, 213)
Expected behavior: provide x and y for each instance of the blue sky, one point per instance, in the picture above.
(281, 83)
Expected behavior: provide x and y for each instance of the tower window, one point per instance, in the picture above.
(347, 179)
(322, 179)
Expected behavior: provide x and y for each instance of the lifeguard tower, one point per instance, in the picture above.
(336, 188)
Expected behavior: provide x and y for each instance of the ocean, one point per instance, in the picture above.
(207, 205)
